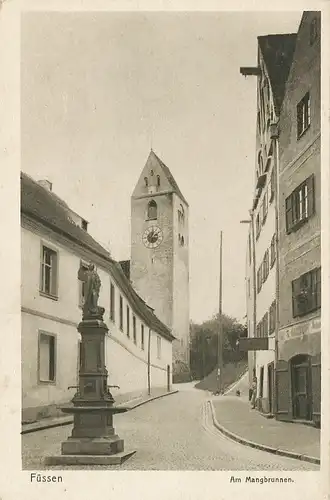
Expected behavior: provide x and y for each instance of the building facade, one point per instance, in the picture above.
(273, 63)
(159, 267)
(54, 243)
(299, 336)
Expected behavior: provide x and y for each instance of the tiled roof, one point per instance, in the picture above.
(277, 52)
(126, 267)
(48, 209)
(170, 177)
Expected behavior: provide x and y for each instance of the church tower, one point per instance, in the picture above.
(159, 268)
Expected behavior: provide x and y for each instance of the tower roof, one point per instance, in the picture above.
(153, 157)
(277, 52)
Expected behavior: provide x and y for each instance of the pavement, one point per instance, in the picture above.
(129, 400)
(169, 433)
(234, 417)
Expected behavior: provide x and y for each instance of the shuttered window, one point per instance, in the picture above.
(299, 206)
(306, 293)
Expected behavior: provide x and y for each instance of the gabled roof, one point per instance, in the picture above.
(49, 210)
(277, 52)
(168, 175)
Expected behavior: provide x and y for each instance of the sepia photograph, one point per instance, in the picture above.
(170, 214)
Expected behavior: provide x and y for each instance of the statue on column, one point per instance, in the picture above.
(92, 291)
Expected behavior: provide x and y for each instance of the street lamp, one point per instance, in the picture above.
(254, 287)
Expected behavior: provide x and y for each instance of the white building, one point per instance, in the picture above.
(54, 243)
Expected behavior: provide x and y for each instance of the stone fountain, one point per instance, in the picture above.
(93, 440)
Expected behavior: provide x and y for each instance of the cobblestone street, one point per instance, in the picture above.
(173, 433)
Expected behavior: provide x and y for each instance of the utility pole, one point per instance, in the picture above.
(149, 345)
(220, 327)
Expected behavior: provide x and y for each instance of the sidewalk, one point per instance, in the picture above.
(234, 417)
(129, 400)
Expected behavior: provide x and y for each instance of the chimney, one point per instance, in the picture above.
(46, 184)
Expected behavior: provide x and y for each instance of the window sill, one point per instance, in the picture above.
(47, 382)
(153, 218)
(297, 225)
(48, 295)
(305, 313)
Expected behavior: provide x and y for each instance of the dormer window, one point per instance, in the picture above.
(158, 180)
(84, 224)
(152, 210)
(146, 181)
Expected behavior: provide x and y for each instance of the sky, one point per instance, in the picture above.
(98, 90)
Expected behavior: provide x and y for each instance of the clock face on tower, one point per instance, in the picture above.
(152, 237)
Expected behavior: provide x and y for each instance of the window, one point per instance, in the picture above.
(259, 278)
(48, 283)
(258, 225)
(82, 284)
(127, 320)
(272, 317)
(265, 325)
(264, 208)
(259, 329)
(146, 181)
(313, 31)
(151, 173)
(134, 329)
(181, 214)
(112, 302)
(261, 383)
(272, 186)
(84, 224)
(306, 293)
(249, 287)
(152, 210)
(265, 263)
(158, 180)
(260, 164)
(249, 248)
(303, 115)
(159, 347)
(142, 337)
(121, 322)
(46, 357)
(299, 206)
(273, 251)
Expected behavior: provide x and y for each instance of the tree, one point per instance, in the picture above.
(204, 344)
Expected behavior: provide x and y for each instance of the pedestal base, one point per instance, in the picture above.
(93, 446)
(115, 459)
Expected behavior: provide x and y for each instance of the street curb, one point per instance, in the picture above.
(151, 399)
(69, 420)
(269, 449)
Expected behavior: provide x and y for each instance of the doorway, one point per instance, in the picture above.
(301, 388)
(270, 387)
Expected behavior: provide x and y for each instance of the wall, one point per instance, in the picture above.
(127, 362)
(300, 251)
(152, 269)
(299, 158)
(180, 282)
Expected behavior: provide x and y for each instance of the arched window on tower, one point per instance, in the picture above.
(152, 210)
(146, 181)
